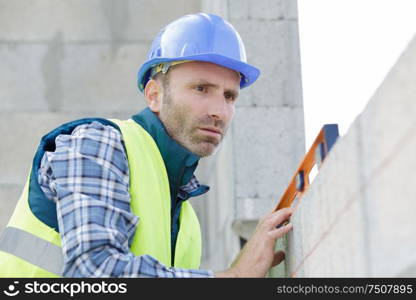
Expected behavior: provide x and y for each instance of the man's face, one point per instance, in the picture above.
(197, 105)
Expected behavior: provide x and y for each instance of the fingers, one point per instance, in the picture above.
(281, 231)
(279, 256)
(279, 217)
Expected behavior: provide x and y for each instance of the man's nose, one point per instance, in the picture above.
(219, 109)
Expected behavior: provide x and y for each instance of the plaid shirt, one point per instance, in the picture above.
(88, 177)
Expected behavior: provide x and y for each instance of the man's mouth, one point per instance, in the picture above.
(212, 131)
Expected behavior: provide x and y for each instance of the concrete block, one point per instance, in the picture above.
(22, 84)
(95, 20)
(392, 228)
(388, 151)
(9, 194)
(73, 77)
(389, 117)
(239, 9)
(75, 20)
(266, 153)
(409, 271)
(334, 189)
(266, 9)
(278, 59)
(251, 209)
(349, 205)
(216, 7)
(338, 183)
(273, 10)
(21, 133)
(294, 249)
(95, 77)
(245, 228)
(341, 250)
(155, 15)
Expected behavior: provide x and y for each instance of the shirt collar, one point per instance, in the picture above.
(180, 162)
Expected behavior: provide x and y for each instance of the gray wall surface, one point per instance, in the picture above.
(73, 59)
(358, 217)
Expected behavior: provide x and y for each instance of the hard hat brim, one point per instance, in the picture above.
(249, 73)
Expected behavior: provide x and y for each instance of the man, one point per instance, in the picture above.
(109, 198)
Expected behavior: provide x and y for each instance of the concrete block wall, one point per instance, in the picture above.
(358, 217)
(268, 127)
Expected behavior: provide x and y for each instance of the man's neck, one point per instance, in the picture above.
(180, 162)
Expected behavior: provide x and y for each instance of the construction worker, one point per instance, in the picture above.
(109, 198)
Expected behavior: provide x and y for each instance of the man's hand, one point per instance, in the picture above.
(258, 256)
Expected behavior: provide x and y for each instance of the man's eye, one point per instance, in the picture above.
(201, 88)
(229, 96)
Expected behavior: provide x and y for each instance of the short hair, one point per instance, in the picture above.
(163, 79)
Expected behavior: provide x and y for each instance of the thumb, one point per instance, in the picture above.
(279, 256)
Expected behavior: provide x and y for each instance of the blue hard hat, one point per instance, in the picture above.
(201, 37)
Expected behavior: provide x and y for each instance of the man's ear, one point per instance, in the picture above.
(153, 95)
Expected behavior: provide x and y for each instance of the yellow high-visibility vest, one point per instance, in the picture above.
(30, 248)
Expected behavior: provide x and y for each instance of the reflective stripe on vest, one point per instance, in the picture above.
(32, 249)
(31, 253)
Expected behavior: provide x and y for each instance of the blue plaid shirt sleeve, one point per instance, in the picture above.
(88, 177)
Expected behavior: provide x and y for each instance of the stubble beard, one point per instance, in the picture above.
(184, 130)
